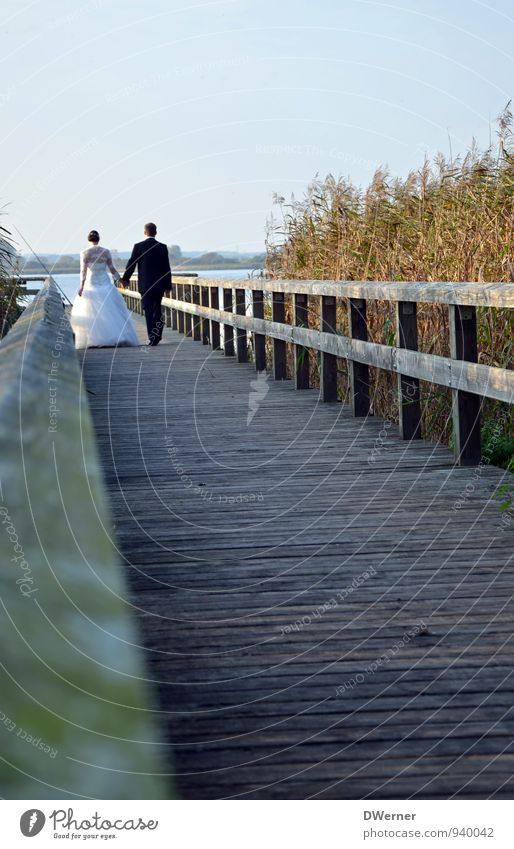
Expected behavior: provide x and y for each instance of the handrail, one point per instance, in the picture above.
(72, 692)
(469, 381)
(461, 294)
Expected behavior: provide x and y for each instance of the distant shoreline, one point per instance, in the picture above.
(74, 268)
(199, 267)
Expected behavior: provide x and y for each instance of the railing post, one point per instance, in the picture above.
(180, 317)
(228, 329)
(465, 405)
(188, 318)
(174, 322)
(167, 316)
(301, 354)
(241, 341)
(205, 321)
(328, 376)
(279, 346)
(259, 339)
(359, 372)
(214, 301)
(409, 408)
(197, 335)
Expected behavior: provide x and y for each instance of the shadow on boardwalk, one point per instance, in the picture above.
(326, 611)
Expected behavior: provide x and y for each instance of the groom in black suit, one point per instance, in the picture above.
(153, 279)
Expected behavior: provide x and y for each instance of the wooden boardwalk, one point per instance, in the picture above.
(326, 611)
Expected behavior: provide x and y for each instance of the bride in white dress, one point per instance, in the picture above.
(99, 317)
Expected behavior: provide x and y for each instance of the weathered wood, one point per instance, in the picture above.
(188, 317)
(498, 295)
(279, 347)
(328, 365)
(174, 313)
(228, 328)
(358, 372)
(214, 301)
(75, 710)
(28, 278)
(255, 611)
(301, 354)
(487, 381)
(196, 329)
(409, 406)
(259, 340)
(205, 321)
(241, 340)
(181, 315)
(465, 406)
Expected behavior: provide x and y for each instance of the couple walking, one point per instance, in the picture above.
(99, 316)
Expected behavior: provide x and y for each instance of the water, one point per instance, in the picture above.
(69, 283)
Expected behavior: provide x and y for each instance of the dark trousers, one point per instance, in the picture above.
(153, 314)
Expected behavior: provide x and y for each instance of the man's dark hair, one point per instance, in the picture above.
(150, 229)
(93, 236)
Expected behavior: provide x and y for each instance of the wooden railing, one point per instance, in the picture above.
(30, 278)
(72, 686)
(469, 381)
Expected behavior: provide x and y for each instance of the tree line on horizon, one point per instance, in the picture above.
(70, 264)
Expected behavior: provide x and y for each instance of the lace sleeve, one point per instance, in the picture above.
(83, 267)
(112, 268)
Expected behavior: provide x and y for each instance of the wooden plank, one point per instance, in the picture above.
(259, 339)
(205, 321)
(498, 295)
(178, 306)
(279, 347)
(196, 329)
(188, 315)
(358, 372)
(301, 354)
(228, 327)
(487, 381)
(328, 368)
(214, 303)
(174, 312)
(68, 642)
(241, 341)
(237, 549)
(409, 406)
(465, 405)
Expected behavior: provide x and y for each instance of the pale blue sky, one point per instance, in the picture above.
(113, 112)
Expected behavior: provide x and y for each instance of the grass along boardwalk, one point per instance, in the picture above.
(326, 610)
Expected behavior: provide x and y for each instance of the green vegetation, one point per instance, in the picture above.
(451, 220)
(10, 289)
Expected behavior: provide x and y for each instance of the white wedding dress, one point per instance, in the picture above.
(99, 317)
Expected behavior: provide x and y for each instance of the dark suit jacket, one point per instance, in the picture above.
(153, 267)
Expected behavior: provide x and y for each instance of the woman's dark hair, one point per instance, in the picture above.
(93, 236)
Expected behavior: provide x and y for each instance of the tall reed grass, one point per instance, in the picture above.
(450, 220)
(10, 290)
